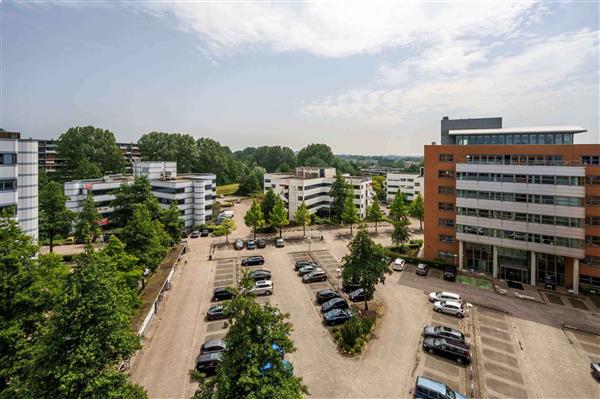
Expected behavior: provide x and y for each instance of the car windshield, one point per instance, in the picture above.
(450, 393)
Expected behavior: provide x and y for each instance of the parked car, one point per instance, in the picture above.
(69, 240)
(221, 294)
(262, 287)
(399, 264)
(450, 307)
(279, 242)
(195, 234)
(251, 244)
(349, 286)
(335, 303)
(216, 312)
(207, 363)
(337, 316)
(307, 269)
(422, 269)
(444, 296)
(301, 263)
(212, 346)
(595, 366)
(184, 234)
(430, 389)
(443, 332)
(358, 295)
(253, 260)
(238, 244)
(448, 348)
(261, 243)
(450, 273)
(204, 233)
(326, 295)
(314, 276)
(260, 275)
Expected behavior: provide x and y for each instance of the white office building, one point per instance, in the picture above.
(19, 180)
(194, 193)
(410, 184)
(312, 185)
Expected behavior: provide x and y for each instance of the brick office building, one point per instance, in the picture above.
(518, 203)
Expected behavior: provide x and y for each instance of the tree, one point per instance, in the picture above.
(172, 223)
(30, 286)
(400, 234)
(316, 155)
(268, 203)
(417, 209)
(212, 157)
(126, 266)
(178, 147)
(89, 152)
(338, 194)
(378, 184)
(279, 216)
(302, 215)
(252, 183)
(399, 219)
(271, 158)
(365, 264)
(374, 214)
(350, 214)
(139, 192)
(398, 209)
(85, 336)
(87, 226)
(254, 217)
(144, 238)
(227, 227)
(55, 218)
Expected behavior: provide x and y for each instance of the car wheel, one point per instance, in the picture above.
(459, 360)
(430, 350)
(268, 293)
(324, 279)
(262, 262)
(438, 310)
(459, 315)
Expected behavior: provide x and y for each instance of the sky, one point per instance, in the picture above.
(367, 77)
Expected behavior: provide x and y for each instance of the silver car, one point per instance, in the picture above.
(450, 307)
(262, 287)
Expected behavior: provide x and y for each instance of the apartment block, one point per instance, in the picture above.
(312, 185)
(515, 203)
(19, 180)
(194, 193)
(411, 184)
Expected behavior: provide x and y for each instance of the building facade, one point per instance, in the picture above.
(194, 193)
(312, 185)
(19, 180)
(411, 184)
(518, 203)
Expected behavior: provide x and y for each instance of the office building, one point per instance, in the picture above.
(515, 203)
(194, 193)
(19, 180)
(411, 184)
(312, 185)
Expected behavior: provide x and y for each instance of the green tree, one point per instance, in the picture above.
(272, 158)
(178, 147)
(89, 152)
(378, 184)
(227, 227)
(366, 263)
(400, 234)
(374, 214)
(55, 218)
(252, 183)
(125, 264)
(85, 336)
(350, 214)
(268, 203)
(254, 217)
(30, 285)
(302, 215)
(87, 226)
(126, 196)
(398, 209)
(173, 225)
(279, 216)
(338, 194)
(417, 209)
(212, 157)
(316, 155)
(144, 238)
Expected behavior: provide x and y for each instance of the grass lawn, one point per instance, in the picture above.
(227, 189)
(475, 281)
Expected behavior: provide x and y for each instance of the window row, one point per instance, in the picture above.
(445, 174)
(521, 178)
(446, 190)
(168, 201)
(590, 160)
(592, 220)
(520, 197)
(521, 217)
(312, 186)
(592, 260)
(446, 157)
(446, 206)
(8, 184)
(445, 222)
(589, 280)
(509, 159)
(8, 158)
(168, 190)
(592, 200)
(521, 236)
(446, 239)
(531, 138)
(8, 210)
(447, 257)
(592, 180)
(594, 241)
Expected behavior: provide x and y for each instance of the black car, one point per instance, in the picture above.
(204, 233)
(207, 363)
(216, 312)
(253, 261)
(184, 234)
(422, 269)
(349, 286)
(335, 303)
(261, 243)
(301, 263)
(212, 346)
(448, 348)
(595, 367)
(260, 275)
(326, 295)
(358, 295)
(250, 244)
(443, 332)
(221, 294)
(450, 273)
(336, 316)
(307, 269)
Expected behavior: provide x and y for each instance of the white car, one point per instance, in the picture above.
(398, 264)
(444, 296)
(262, 287)
(450, 307)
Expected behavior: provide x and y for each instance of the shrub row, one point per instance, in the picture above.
(437, 264)
(354, 334)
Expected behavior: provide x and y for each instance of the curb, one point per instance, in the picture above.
(580, 329)
(490, 307)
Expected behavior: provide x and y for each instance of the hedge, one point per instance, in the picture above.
(413, 259)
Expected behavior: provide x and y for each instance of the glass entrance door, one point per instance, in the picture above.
(514, 274)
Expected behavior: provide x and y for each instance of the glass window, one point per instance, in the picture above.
(562, 180)
(549, 138)
(494, 139)
(541, 139)
(533, 139)
(517, 139)
(509, 139)
(558, 138)
(547, 179)
(524, 139)
(568, 138)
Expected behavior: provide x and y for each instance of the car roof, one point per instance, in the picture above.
(447, 293)
(455, 303)
(215, 307)
(214, 342)
(421, 265)
(220, 289)
(325, 290)
(206, 357)
(431, 384)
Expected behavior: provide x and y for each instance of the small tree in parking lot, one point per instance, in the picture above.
(350, 214)
(417, 209)
(227, 227)
(374, 213)
(254, 217)
(279, 216)
(302, 215)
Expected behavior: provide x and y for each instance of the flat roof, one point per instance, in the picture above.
(510, 130)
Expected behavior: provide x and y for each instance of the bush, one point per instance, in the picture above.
(353, 335)
(437, 264)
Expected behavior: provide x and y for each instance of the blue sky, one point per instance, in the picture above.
(366, 77)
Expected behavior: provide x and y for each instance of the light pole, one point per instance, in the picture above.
(309, 241)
